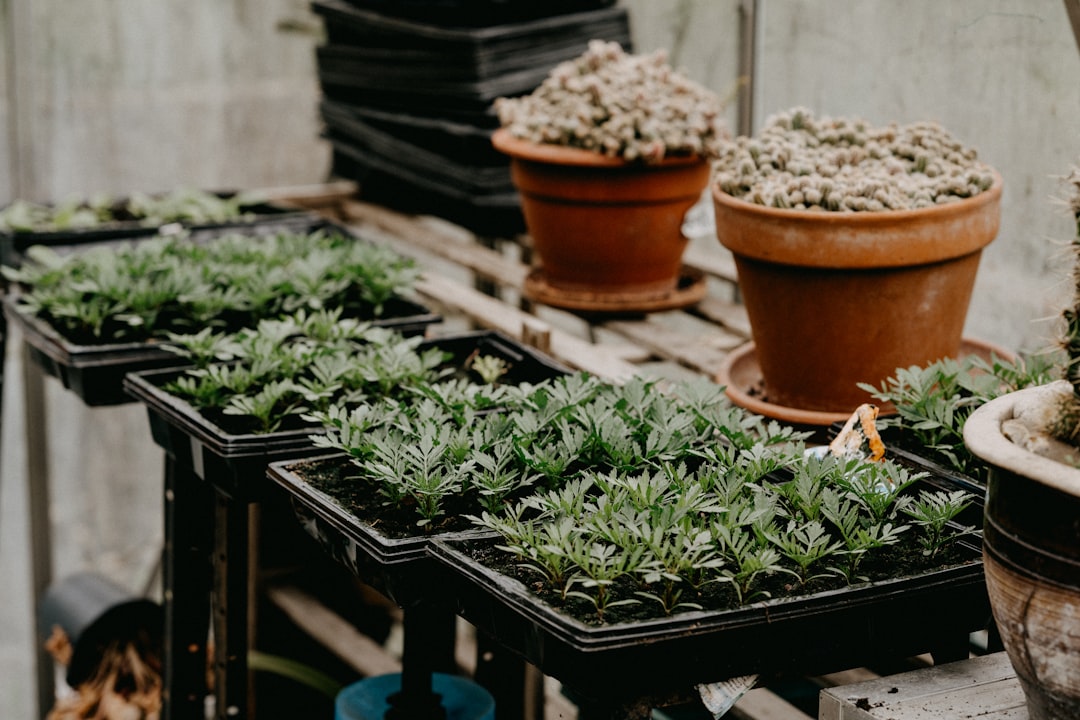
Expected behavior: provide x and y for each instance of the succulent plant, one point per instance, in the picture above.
(622, 105)
(807, 162)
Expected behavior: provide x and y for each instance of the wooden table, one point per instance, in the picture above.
(985, 688)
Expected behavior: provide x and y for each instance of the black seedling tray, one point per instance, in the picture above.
(421, 51)
(388, 183)
(236, 463)
(457, 142)
(477, 12)
(13, 245)
(96, 372)
(422, 165)
(398, 567)
(814, 634)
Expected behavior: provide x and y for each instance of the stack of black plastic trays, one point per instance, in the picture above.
(408, 90)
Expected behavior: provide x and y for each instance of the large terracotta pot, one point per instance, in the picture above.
(1031, 549)
(840, 298)
(603, 225)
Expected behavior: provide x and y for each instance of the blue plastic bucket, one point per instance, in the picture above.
(368, 699)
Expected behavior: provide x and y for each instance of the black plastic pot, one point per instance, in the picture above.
(236, 463)
(95, 613)
(820, 633)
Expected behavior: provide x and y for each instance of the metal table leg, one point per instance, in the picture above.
(37, 479)
(186, 581)
(231, 606)
(428, 648)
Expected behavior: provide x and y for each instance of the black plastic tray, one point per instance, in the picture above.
(462, 143)
(398, 567)
(477, 12)
(425, 50)
(388, 183)
(13, 245)
(236, 463)
(815, 634)
(427, 165)
(96, 372)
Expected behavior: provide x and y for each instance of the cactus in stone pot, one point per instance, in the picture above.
(802, 161)
(621, 105)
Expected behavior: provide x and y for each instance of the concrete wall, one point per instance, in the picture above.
(123, 95)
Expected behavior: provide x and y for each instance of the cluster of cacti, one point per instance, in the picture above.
(1067, 426)
(805, 162)
(622, 105)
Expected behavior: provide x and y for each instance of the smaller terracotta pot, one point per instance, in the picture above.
(602, 224)
(1031, 552)
(835, 299)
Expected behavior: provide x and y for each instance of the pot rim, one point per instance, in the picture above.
(860, 219)
(984, 438)
(850, 240)
(520, 149)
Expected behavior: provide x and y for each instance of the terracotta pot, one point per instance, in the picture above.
(740, 373)
(840, 298)
(1031, 552)
(602, 224)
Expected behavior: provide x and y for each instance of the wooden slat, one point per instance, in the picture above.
(761, 704)
(335, 633)
(728, 314)
(718, 265)
(493, 313)
(455, 247)
(323, 195)
(984, 687)
(701, 352)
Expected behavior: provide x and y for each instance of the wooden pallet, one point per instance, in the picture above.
(984, 687)
(697, 338)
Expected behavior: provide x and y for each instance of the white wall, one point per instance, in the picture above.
(123, 95)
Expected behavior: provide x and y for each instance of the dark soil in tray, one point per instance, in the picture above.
(337, 478)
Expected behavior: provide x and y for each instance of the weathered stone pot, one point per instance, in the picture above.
(838, 298)
(602, 225)
(1031, 545)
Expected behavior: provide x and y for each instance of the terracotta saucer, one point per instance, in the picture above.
(690, 289)
(741, 375)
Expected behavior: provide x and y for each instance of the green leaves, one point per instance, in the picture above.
(934, 402)
(299, 366)
(165, 285)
